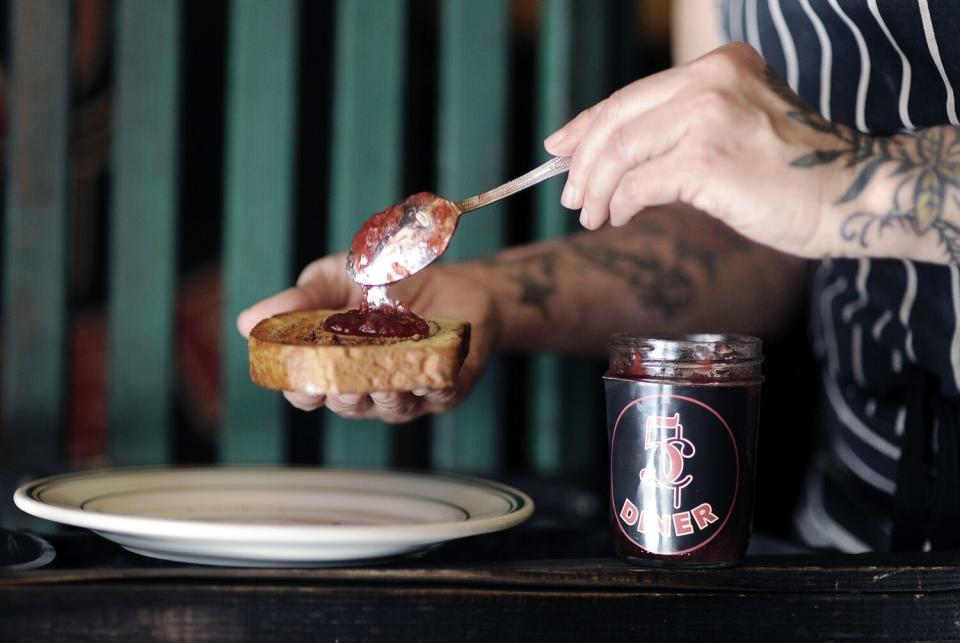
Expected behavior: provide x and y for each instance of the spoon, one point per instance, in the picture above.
(407, 237)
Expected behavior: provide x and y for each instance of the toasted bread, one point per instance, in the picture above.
(293, 352)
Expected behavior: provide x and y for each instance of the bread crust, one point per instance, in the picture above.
(293, 352)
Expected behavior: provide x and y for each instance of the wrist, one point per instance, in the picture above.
(880, 221)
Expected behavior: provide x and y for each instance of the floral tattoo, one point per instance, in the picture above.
(926, 198)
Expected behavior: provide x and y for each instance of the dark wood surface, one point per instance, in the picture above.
(521, 585)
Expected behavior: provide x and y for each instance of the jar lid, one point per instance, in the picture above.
(689, 348)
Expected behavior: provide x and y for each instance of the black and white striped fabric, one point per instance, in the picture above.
(887, 332)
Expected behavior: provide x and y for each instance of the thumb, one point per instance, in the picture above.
(322, 284)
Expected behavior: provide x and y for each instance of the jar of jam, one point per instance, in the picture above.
(682, 426)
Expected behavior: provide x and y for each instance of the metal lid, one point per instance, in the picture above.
(689, 348)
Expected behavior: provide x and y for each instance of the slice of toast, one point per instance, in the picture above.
(293, 352)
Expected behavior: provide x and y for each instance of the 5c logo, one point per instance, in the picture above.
(664, 435)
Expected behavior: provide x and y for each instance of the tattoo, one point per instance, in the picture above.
(668, 289)
(927, 162)
(783, 90)
(536, 276)
(706, 257)
(930, 181)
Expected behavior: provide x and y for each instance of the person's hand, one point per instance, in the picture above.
(446, 291)
(722, 133)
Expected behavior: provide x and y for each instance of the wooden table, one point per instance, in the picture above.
(520, 585)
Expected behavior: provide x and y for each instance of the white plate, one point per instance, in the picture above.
(274, 517)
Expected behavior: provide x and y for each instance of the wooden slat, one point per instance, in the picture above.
(563, 414)
(590, 76)
(34, 275)
(553, 109)
(258, 208)
(473, 132)
(142, 236)
(584, 421)
(365, 166)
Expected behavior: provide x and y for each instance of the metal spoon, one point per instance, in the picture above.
(409, 236)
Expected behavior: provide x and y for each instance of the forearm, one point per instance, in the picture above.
(671, 270)
(896, 196)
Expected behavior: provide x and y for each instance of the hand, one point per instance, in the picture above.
(722, 133)
(449, 291)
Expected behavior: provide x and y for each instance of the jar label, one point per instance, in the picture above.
(674, 462)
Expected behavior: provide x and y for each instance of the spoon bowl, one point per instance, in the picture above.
(407, 237)
(402, 240)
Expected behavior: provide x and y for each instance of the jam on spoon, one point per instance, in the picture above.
(403, 239)
(399, 241)
(407, 237)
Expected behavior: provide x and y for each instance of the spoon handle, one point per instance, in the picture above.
(556, 165)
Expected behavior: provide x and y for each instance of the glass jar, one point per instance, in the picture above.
(682, 417)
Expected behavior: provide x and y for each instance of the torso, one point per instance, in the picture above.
(887, 332)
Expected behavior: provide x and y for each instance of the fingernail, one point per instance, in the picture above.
(554, 139)
(349, 398)
(567, 197)
(584, 221)
(382, 396)
(420, 392)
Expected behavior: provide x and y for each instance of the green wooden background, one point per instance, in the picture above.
(34, 233)
(476, 51)
(261, 61)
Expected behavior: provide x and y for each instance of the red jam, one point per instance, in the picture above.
(385, 320)
(382, 225)
(372, 232)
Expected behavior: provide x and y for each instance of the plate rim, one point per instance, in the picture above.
(187, 529)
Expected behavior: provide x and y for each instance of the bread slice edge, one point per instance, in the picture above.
(358, 367)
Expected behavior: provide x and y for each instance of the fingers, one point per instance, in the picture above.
(441, 399)
(622, 105)
(646, 137)
(395, 408)
(322, 284)
(349, 405)
(564, 141)
(646, 119)
(304, 401)
(656, 182)
(295, 298)
(391, 407)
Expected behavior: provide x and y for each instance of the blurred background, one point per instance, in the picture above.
(169, 163)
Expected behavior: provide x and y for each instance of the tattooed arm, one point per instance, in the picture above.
(905, 198)
(727, 135)
(674, 270)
